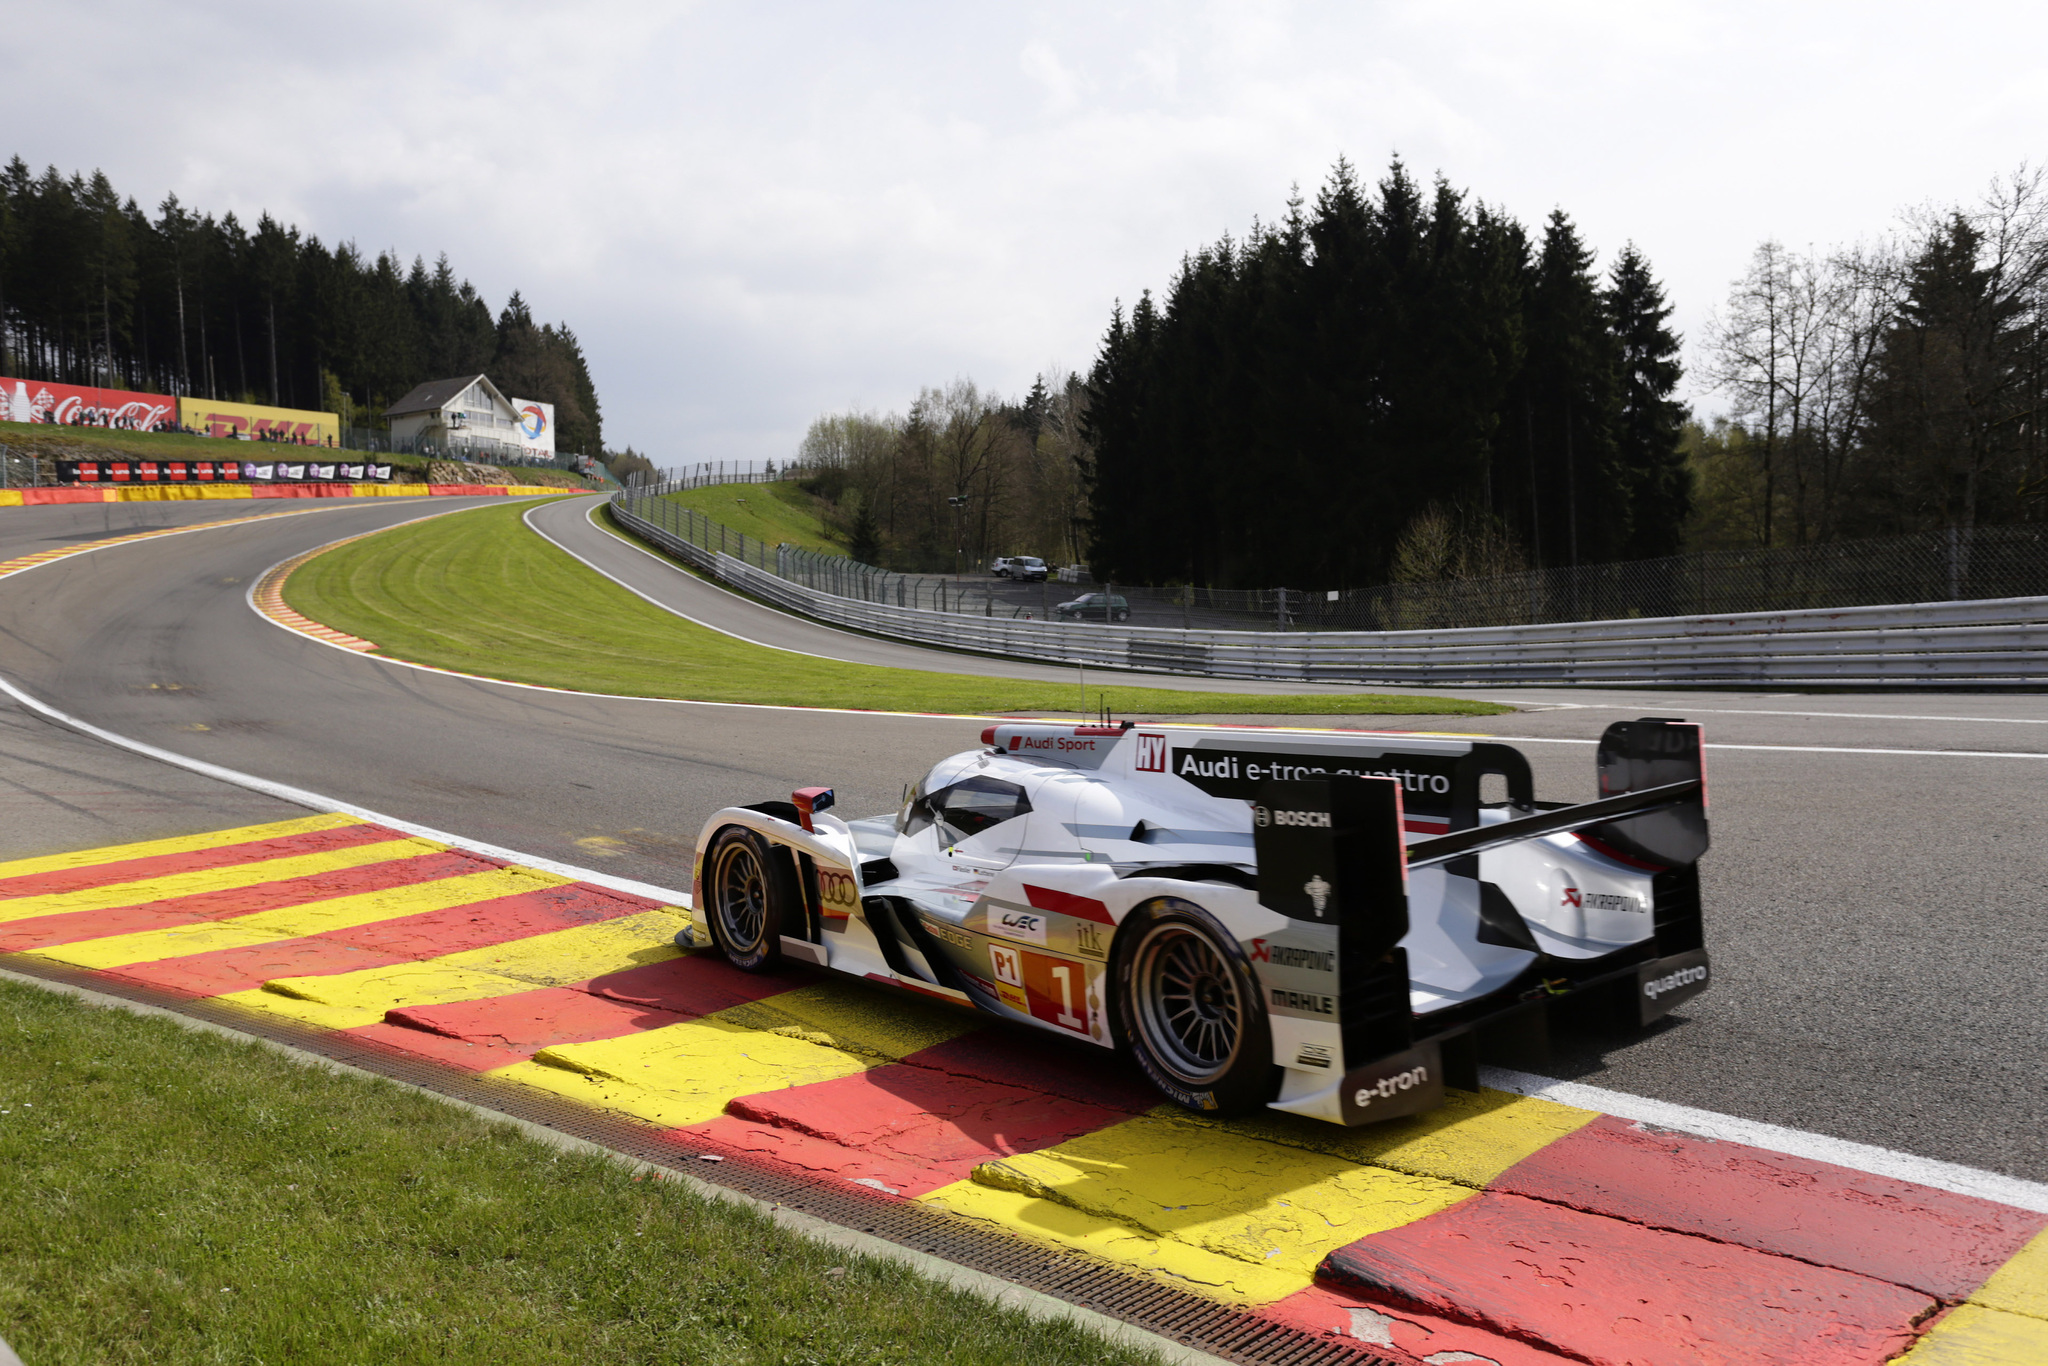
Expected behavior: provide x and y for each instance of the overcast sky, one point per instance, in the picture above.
(754, 213)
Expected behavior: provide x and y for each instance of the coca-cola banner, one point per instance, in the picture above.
(36, 400)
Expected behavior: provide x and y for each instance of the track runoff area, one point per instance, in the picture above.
(1522, 1223)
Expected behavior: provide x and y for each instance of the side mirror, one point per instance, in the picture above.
(809, 801)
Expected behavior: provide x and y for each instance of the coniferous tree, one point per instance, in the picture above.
(1579, 511)
(94, 292)
(1650, 423)
(1947, 422)
(1301, 397)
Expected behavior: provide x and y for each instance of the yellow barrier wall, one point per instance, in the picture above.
(214, 418)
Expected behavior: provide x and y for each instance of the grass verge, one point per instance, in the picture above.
(174, 1196)
(775, 512)
(480, 592)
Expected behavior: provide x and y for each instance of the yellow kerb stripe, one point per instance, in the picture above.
(231, 878)
(183, 844)
(1470, 1139)
(1272, 1206)
(1269, 1196)
(2021, 1285)
(349, 1000)
(293, 922)
(1165, 1259)
(687, 1073)
(1975, 1336)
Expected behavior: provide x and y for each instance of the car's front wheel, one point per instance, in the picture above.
(750, 897)
(1189, 1010)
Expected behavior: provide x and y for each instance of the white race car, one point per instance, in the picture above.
(1323, 923)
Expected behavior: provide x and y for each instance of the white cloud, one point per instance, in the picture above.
(754, 213)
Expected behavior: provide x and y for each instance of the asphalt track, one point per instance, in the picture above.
(1875, 893)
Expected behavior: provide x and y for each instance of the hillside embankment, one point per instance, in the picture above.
(46, 445)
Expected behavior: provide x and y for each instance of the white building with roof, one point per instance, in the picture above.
(470, 418)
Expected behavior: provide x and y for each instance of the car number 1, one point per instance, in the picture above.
(1050, 986)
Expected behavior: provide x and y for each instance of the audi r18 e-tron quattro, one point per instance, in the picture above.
(1318, 922)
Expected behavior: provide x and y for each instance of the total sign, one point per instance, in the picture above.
(534, 425)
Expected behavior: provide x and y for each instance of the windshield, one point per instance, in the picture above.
(967, 807)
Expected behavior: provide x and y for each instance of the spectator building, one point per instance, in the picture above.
(469, 418)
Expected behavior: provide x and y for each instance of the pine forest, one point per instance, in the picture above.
(95, 291)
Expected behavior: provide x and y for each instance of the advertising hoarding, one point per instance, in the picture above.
(36, 400)
(214, 417)
(219, 471)
(533, 426)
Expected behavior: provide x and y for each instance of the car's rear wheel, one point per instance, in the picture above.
(1189, 1010)
(750, 898)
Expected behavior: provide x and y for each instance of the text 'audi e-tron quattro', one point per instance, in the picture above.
(1313, 921)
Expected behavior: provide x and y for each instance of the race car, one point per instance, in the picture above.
(1323, 923)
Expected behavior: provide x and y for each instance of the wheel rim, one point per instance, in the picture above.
(742, 892)
(1190, 1009)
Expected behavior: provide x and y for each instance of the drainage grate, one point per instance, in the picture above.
(1177, 1315)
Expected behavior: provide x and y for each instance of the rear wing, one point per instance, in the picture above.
(1331, 858)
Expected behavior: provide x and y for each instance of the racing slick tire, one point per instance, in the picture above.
(1188, 1008)
(750, 896)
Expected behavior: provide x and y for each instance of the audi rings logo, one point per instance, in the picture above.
(1684, 977)
(837, 889)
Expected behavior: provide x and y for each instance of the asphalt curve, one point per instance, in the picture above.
(1876, 890)
(568, 524)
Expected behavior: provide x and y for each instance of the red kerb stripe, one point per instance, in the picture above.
(1932, 1240)
(163, 865)
(48, 931)
(1612, 1293)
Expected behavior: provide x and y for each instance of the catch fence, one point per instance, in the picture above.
(1985, 641)
(1951, 566)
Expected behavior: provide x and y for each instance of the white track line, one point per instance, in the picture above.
(155, 533)
(1862, 1157)
(1758, 711)
(1784, 749)
(299, 796)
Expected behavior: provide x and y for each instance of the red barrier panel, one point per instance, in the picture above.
(30, 497)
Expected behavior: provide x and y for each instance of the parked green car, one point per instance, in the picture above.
(1095, 607)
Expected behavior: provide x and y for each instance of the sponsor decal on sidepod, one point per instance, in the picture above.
(1672, 981)
(1390, 1086)
(1283, 956)
(1028, 926)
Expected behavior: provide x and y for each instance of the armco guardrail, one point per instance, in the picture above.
(2002, 641)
